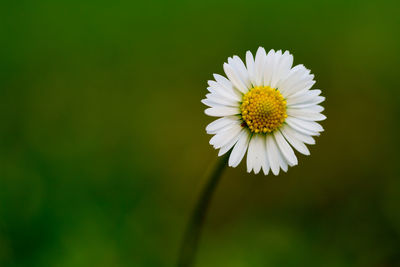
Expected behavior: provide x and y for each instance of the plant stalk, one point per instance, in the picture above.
(196, 222)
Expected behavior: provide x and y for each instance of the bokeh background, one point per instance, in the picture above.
(103, 149)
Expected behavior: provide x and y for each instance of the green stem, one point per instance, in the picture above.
(194, 227)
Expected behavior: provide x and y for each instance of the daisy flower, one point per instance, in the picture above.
(266, 108)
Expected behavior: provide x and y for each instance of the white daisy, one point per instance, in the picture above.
(266, 108)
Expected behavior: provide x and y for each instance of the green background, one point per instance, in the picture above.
(103, 149)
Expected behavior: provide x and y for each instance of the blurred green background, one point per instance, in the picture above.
(103, 149)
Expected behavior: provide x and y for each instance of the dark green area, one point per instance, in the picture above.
(103, 149)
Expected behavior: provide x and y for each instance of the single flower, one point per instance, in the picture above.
(267, 108)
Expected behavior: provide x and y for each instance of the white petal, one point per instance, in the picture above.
(259, 66)
(301, 137)
(216, 88)
(282, 161)
(222, 100)
(235, 78)
(239, 150)
(231, 142)
(311, 109)
(220, 123)
(241, 69)
(304, 85)
(285, 148)
(311, 103)
(219, 93)
(252, 160)
(298, 145)
(297, 80)
(294, 75)
(258, 157)
(303, 97)
(213, 103)
(210, 103)
(308, 125)
(270, 61)
(263, 155)
(273, 154)
(305, 114)
(225, 135)
(315, 108)
(282, 68)
(310, 93)
(222, 111)
(251, 67)
(300, 126)
(228, 86)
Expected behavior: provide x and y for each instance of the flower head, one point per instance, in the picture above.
(267, 108)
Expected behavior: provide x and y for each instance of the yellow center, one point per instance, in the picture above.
(263, 109)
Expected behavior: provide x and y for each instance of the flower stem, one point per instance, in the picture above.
(194, 227)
